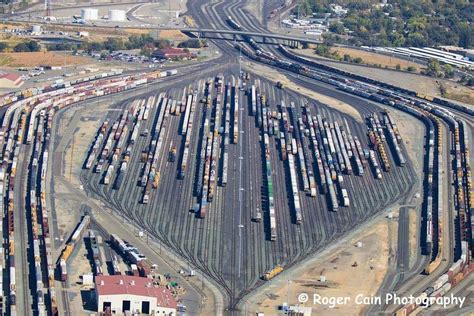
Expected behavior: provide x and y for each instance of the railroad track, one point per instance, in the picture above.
(23, 230)
(295, 244)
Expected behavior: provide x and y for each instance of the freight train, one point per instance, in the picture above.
(312, 63)
(37, 107)
(380, 92)
(456, 273)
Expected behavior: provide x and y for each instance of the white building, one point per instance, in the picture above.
(89, 14)
(121, 293)
(338, 10)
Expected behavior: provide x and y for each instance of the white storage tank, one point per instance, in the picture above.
(89, 14)
(36, 30)
(117, 15)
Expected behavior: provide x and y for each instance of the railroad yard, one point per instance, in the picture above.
(213, 183)
(166, 158)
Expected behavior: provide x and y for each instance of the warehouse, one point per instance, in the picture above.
(170, 53)
(10, 80)
(120, 293)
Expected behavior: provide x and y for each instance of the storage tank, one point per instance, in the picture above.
(89, 14)
(117, 15)
(36, 30)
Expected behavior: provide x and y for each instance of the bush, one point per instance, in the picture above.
(3, 46)
(411, 69)
(29, 46)
(191, 43)
(62, 46)
(113, 44)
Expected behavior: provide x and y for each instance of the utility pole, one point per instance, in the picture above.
(288, 296)
(48, 7)
(298, 5)
(240, 61)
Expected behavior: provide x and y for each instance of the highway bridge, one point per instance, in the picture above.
(269, 38)
(283, 39)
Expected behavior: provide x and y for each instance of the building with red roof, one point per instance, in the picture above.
(121, 293)
(10, 80)
(171, 52)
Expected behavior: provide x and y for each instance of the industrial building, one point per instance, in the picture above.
(170, 53)
(120, 293)
(10, 80)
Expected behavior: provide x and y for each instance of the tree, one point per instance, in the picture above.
(29, 46)
(113, 44)
(322, 50)
(433, 68)
(3, 46)
(337, 28)
(398, 67)
(347, 58)
(162, 43)
(92, 47)
(148, 49)
(191, 43)
(448, 71)
(465, 36)
(358, 60)
(139, 41)
(411, 69)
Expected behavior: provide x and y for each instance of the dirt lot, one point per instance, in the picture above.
(412, 132)
(78, 266)
(370, 58)
(458, 92)
(40, 58)
(273, 75)
(343, 277)
(174, 35)
(413, 228)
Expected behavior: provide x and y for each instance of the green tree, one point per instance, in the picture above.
(191, 43)
(466, 36)
(347, 58)
(113, 44)
(337, 28)
(29, 46)
(411, 69)
(162, 43)
(3, 46)
(433, 68)
(322, 50)
(398, 67)
(448, 71)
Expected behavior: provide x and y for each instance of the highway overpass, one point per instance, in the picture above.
(203, 33)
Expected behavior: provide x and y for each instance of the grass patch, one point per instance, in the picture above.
(6, 60)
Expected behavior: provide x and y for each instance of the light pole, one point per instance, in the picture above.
(288, 296)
